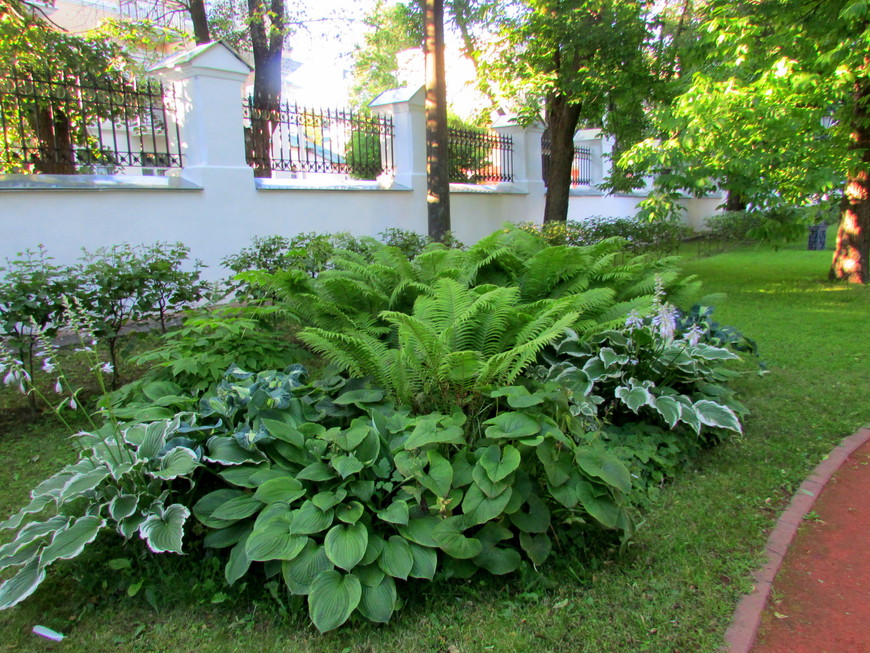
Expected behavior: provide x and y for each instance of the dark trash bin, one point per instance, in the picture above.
(818, 235)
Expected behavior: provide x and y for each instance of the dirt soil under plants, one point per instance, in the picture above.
(821, 597)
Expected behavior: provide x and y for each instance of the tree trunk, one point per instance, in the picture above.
(735, 201)
(267, 41)
(437, 164)
(199, 18)
(562, 118)
(54, 133)
(853, 237)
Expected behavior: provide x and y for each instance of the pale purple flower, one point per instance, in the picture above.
(634, 320)
(665, 321)
(48, 366)
(58, 387)
(72, 403)
(693, 335)
(107, 368)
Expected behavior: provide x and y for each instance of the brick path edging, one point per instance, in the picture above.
(741, 634)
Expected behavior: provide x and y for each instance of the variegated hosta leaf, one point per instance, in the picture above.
(713, 414)
(70, 542)
(35, 505)
(83, 483)
(30, 533)
(180, 461)
(164, 530)
(22, 584)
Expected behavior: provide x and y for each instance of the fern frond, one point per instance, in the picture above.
(356, 354)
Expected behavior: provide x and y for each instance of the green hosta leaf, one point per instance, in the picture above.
(205, 507)
(300, 572)
(428, 431)
(668, 408)
(274, 542)
(284, 489)
(365, 396)
(439, 476)
(122, 506)
(310, 519)
(421, 530)
(72, 541)
(226, 451)
(225, 537)
(634, 397)
(373, 550)
(601, 507)
(22, 584)
(409, 464)
(346, 465)
(498, 561)
(346, 545)
(513, 425)
(377, 603)
(482, 481)
(317, 472)
(566, 493)
(350, 513)
(362, 490)
(450, 538)
(332, 598)
(462, 475)
(164, 530)
(238, 508)
(425, 562)
(181, 461)
(479, 508)
(329, 499)
(713, 414)
(350, 439)
(605, 466)
(370, 575)
(241, 475)
(284, 432)
(238, 563)
(395, 513)
(518, 396)
(500, 462)
(396, 559)
(537, 547)
(536, 520)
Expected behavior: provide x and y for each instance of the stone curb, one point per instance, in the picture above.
(741, 634)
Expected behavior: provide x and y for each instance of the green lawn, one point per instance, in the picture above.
(673, 590)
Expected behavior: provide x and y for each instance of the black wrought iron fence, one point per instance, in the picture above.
(71, 124)
(581, 165)
(305, 140)
(479, 156)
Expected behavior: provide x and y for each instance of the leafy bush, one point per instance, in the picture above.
(775, 225)
(663, 236)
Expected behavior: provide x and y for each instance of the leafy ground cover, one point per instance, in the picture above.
(673, 589)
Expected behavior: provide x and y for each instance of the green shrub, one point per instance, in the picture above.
(662, 236)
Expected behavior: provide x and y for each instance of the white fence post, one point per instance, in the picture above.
(528, 167)
(407, 108)
(208, 85)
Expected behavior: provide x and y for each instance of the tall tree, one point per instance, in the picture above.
(580, 62)
(778, 113)
(437, 159)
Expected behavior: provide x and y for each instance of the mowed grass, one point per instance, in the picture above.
(674, 589)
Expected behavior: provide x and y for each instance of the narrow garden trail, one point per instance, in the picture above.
(821, 597)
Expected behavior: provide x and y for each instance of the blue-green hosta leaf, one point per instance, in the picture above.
(668, 408)
(364, 396)
(22, 584)
(83, 483)
(395, 513)
(285, 489)
(238, 562)
(346, 545)
(377, 603)
(396, 559)
(350, 513)
(273, 541)
(439, 476)
(72, 541)
(300, 572)
(309, 519)
(181, 461)
(518, 396)
(449, 534)
(537, 547)
(237, 508)
(332, 598)
(717, 415)
(500, 462)
(512, 424)
(425, 562)
(226, 451)
(346, 465)
(164, 530)
(536, 520)
(421, 530)
(122, 506)
(284, 432)
(604, 465)
(633, 397)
